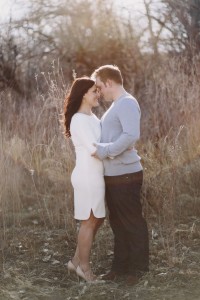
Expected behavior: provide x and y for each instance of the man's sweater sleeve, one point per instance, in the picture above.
(129, 117)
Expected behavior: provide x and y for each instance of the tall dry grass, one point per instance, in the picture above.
(171, 97)
(36, 160)
(171, 190)
(171, 149)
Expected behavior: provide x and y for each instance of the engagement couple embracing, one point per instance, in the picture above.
(107, 171)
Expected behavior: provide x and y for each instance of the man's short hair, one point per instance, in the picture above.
(108, 72)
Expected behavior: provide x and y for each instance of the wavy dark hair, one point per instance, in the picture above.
(73, 100)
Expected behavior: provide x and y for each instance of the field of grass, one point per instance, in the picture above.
(37, 233)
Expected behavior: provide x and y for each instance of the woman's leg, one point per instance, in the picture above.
(86, 236)
(75, 259)
(98, 223)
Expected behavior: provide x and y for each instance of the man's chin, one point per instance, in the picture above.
(107, 99)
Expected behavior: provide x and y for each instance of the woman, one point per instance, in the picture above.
(87, 177)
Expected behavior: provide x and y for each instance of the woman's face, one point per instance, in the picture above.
(91, 98)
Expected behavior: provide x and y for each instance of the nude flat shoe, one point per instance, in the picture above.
(88, 276)
(71, 267)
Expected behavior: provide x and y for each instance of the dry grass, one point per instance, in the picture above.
(36, 195)
(36, 159)
(171, 187)
(171, 98)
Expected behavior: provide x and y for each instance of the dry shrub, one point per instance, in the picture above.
(170, 149)
(34, 149)
(171, 187)
(36, 160)
(172, 97)
(10, 184)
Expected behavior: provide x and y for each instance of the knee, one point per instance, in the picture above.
(100, 222)
(88, 224)
(94, 223)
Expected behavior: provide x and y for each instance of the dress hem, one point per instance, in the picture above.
(84, 219)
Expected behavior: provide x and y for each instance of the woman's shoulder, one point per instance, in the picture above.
(84, 117)
(81, 120)
(78, 116)
(77, 119)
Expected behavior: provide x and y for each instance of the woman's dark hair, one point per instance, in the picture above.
(74, 98)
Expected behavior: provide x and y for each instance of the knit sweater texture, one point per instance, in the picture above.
(120, 131)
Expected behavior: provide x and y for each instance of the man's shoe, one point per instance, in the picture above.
(112, 275)
(132, 280)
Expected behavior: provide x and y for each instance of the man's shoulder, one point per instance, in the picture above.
(129, 97)
(128, 101)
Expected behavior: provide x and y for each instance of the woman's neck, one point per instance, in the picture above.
(85, 113)
(85, 110)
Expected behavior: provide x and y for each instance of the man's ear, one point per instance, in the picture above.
(109, 83)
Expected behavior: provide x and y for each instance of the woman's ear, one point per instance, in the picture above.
(84, 97)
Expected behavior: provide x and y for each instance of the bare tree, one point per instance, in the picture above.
(181, 21)
(80, 34)
(8, 61)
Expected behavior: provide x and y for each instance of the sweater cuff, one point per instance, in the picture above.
(102, 151)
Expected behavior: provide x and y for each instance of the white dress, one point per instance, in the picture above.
(88, 175)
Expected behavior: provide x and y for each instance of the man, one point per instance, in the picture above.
(123, 176)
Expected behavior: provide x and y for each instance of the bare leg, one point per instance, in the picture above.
(75, 259)
(98, 223)
(86, 236)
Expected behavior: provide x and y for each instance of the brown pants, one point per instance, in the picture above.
(131, 244)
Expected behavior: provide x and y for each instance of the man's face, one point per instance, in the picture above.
(104, 89)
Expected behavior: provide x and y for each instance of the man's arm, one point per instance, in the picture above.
(129, 117)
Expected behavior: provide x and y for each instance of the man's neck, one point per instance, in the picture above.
(118, 92)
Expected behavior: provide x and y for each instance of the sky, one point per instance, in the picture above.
(6, 8)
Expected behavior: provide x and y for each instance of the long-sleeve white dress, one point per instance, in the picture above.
(88, 175)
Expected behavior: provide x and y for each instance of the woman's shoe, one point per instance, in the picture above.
(71, 267)
(87, 276)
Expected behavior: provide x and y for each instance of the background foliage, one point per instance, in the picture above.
(160, 63)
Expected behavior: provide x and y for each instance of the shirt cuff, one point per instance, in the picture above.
(102, 150)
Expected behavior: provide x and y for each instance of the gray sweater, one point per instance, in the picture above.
(120, 131)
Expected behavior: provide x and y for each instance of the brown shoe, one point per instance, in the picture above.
(112, 275)
(132, 280)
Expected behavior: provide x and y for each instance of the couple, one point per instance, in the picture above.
(107, 166)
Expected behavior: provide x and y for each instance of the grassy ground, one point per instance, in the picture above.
(38, 231)
(34, 264)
